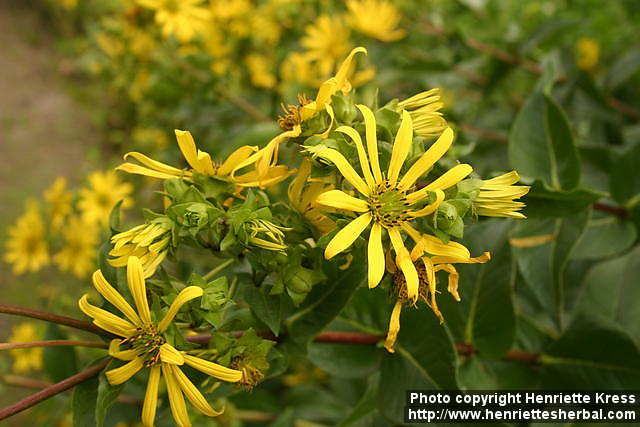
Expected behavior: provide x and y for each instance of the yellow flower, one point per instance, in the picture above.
(298, 68)
(375, 18)
(427, 267)
(146, 346)
(149, 242)
(425, 115)
(149, 137)
(326, 41)
(259, 67)
(497, 197)
(103, 192)
(184, 19)
(302, 196)
(387, 201)
(26, 359)
(200, 162)
(26, 248)
(79, 250)
(59, 200)
(587, 53)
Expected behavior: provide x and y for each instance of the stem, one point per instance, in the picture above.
(219, 268)
(53, 389)
(53, 318)
(244, 105)
(52, 343)
(618, 211)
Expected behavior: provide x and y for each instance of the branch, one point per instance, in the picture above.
(53, 389)
(618, 211)
(52, 343)
(54, 318)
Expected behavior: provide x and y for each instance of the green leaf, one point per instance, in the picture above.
(611, 292)
(592, 355)
(544, 202)
(541, 145)
(625, 179)
(345, 360)
(325, 300)
(114, 217)
(418, 363)
(59, 362)
(543, 265)
(267, 308)
(623, 69)
(488, 290)
(605, 237)
(83, 403)
(107, 395)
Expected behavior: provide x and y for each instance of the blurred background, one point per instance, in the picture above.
(84, 81)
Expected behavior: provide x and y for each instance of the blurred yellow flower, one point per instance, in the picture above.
(587, 53)
(148, 348)
(103, 192)
(27, 359)
(326, 42)
(260, 71)
(26, 247)
(375, 18)
(78, 253)
(149, 137)
(298, 68)
(183, 19)
(59, 202)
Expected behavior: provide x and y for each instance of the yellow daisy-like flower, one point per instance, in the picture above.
(260, 71)
(387, 201)
(375, 18)
(149, 242)
(79, 250)
(25, 359)
(59, 202)
(200, 162)
(425, 115)
(326, 41)
(103, 192)
(497, 197)
(147, 347)
(302, 196)
(587, 53)
(184, 19)
(26, 248)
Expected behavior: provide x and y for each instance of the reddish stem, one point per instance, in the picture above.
(50, 317)
(618, 211)
(52, 343)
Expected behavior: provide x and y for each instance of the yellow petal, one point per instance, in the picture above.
(345, 67)
(362, 154)
(430, 208)
(123, 373)
(141, 170)
(453, 279)
(508, 178)
(401, 147)
(345, 237)
(405, 263)
(372, 141)
(394, 327)
(154, 164)
(332, 115)
(176, 400)
(486, 256)
(151, 397)
(193, 394)
(427, 160)
(114, 351)
(114, 297)
(446, 180)
(168, 354)
(188, 148)
(105, 320)
(185, 295)
(238, 156)
(343, 166)
(135, 279)
(340, 200)
(375, 254)
(213, 369)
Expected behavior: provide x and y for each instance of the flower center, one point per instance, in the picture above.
(400, 284)
(147, 342)
(388, 206)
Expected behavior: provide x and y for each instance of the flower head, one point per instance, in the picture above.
(587, 53)
(375, 18)
(26, 248)
(388, 202)
(146, 346)
(302, 194)
(59, 202)
(78, 252)
(424, 109)
(200, 162)
(184, 19)
(326, 41)
(101, 195)
(27, 359)
(149, 242)
(496, 197)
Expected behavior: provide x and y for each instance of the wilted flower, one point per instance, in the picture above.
(147, 347)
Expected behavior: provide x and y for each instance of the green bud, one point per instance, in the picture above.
(344, 109)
